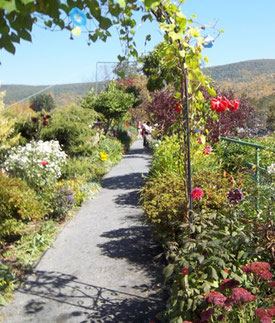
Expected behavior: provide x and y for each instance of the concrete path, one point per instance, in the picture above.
(101, 267)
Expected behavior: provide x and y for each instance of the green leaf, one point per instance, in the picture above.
(240, 254)
(168, 271)
(122, 3)
(8, 45)
(25, 35)
(214, 273)
(8, 5)
(105, 23)
(200, 259)
(150, 4)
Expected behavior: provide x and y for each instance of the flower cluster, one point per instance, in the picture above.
(260, 269)
(207, 150)
(241, 296)
(39, 162)
(229, 283)
(265, 315)
(235, 196)
(197, 193)
(216, 298)
(221, 104)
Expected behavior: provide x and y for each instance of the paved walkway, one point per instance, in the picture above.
(100, 268)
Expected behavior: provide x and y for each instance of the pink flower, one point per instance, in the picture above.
(241, 296)
(215, 298)
(197, 193)
(265, 315)
(261, 269)
(44, 163)
(207, 150)
(271, 284)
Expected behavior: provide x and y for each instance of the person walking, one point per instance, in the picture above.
(139, 129)
(147, 134)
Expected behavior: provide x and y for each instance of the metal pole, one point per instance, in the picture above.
(189, 176)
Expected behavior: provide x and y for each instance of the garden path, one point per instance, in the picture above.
(101, 267)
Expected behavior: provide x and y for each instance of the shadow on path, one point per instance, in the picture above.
(92, 303)
(126, 182)
(135, 244)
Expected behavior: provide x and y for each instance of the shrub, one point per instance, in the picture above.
(167, 157)
(209, 250)
(112, 147)
(72, 128)
(164, 203)
(39, 163)
(18, 205)
(63, 201)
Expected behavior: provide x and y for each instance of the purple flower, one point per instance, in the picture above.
(235, 196)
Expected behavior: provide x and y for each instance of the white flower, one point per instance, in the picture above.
(271, 169)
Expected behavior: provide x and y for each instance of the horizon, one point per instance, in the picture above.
(94, 82)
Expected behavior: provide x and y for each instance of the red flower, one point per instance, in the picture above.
(218, 104)
(271, 284)
(261, 269)
(34, 119)
(234, 105)
(127, 124)
(206, 315)
(221, 317)
(44, 163)
(32, 106)
(185, 270)
(226, 271)
(207, 150)
(47, 116)
(45, 122)
(178, 108)
(197, 193)
(216, 298)
(241, 296)
(229, 283)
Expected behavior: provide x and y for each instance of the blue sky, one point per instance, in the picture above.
(52, 58)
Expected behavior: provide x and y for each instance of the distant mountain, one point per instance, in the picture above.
(254, 77)
(63, 93)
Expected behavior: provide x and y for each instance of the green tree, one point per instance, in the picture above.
(113, 102)
(7, 137)
(270, 117)
(43, 102)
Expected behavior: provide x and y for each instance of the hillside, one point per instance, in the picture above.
(254, 77)
(63, 93)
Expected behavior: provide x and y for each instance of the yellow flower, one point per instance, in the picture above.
(103, 156)
(76, 31)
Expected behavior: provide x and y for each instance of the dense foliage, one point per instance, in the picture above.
(112, 103)
(42, 102)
